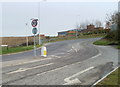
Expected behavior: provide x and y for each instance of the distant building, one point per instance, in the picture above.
(99, 28)
(71, 33)
(42, 35)
(90, 26)
(62, 34)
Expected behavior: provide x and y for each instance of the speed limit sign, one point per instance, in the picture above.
(34, 23)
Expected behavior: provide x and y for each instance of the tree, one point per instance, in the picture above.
(114, 19)
(98, 23)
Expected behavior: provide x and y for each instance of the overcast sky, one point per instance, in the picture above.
(54, 16)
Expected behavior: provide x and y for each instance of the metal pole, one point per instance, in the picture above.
(39, 22)
(27, 41)
(76, 33)
(26, 37)
(34, 46)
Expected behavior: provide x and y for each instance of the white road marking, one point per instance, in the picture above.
(28, 62)
(96, 56)
(72, 81)
(69, 50)
(75, 49)
(58, 68)
(25, 69)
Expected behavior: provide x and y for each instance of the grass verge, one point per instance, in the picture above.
(105, 42)
(17, 49)
(79, 37)
(111, 80)
(102, 42)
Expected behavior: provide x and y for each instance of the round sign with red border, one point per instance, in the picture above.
(34, 23)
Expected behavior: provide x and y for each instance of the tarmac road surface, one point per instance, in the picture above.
(71, 62)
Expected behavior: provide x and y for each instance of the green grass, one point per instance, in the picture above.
(17, 49)
(102, 42)
(111, 79)
(118, 47)
(79, 37)
(105, 42)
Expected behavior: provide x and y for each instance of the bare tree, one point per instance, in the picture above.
(77, 26)
(98, 23)
(83, 25)
(112, 18)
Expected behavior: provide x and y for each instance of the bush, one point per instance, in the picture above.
(112, 35)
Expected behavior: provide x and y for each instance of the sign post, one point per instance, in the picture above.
(34, 31)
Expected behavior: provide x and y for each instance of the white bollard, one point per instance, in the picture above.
(44, 51)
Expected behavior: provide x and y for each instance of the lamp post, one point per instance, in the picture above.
(39, 24)
(77, 24)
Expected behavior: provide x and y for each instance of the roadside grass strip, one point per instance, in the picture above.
(111, 79)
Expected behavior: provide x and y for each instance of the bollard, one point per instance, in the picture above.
(44, 51)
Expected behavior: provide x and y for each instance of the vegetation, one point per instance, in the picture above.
(54, 39)
(113, 37)
(111, 79)
(16, 49)
(102, 42)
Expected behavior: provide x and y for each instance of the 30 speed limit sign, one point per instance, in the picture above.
(34, 23)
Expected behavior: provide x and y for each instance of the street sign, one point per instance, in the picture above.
(34, 23)
(34, 30)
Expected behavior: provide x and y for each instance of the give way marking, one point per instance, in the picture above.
(76, 80)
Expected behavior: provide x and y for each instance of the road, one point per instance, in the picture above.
(71, 62)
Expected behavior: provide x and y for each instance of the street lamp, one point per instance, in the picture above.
(39, 23)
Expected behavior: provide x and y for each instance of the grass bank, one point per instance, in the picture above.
(16, 49)
(105, 42)
(30, 47)
(111, 80)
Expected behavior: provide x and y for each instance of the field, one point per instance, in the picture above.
(15, 41)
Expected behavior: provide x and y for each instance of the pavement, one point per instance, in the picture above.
(71, 62)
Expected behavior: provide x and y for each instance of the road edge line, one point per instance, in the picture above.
(104, 76)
